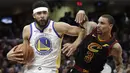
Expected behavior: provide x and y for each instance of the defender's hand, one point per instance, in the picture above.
(81, 17)
(69, 48)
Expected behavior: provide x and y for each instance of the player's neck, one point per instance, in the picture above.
(41, 27)
(104, 37)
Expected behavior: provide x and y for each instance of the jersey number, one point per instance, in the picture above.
(89, 56)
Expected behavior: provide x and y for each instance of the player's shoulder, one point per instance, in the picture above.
(117, 47)
(90, 24)
(116, 50)
(26, 26)
(93, 24)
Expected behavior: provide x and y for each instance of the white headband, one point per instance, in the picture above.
(40, 9)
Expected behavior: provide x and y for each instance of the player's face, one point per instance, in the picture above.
(41, 18)
(103, 26)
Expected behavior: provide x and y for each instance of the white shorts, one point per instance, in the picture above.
(107, 69)
(39, 69)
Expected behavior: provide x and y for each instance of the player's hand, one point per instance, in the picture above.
(68, 49)
(16, 56)
(81, 17)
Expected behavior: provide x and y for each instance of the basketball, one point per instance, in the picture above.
(28, 53)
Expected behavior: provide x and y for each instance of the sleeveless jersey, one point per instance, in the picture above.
(46, 45)
(92, 53)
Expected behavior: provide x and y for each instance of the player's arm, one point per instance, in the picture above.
(26, 34)
(84, 22)
(89, 26)
(26, 39)
(116, 52)
(81, 17)
(17, 55)
(64, 28)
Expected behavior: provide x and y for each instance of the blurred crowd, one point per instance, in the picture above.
(10, 37)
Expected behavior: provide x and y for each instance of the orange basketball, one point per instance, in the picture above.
(28, 53)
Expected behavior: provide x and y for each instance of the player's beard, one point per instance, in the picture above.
(42, 23)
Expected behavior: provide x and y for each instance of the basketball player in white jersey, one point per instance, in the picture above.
(45, 36)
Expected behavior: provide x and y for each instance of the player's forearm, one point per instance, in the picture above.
(80, 37)
(25, 41)
(119, 68)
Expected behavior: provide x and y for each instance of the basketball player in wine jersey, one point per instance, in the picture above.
(99, 43)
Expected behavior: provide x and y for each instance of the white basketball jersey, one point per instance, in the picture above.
(46, 45)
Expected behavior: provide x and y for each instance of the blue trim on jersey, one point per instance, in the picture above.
(44, 28)
(30, 31)
(47, 24)
(55, 30)
(36, 27)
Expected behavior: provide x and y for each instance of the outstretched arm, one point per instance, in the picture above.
(116, 52)
(71, 48)
(64, 28)
(87, 26)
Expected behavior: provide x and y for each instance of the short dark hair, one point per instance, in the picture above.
(40, 4)
(110, 18)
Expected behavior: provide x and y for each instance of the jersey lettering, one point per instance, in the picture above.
(93, 48)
